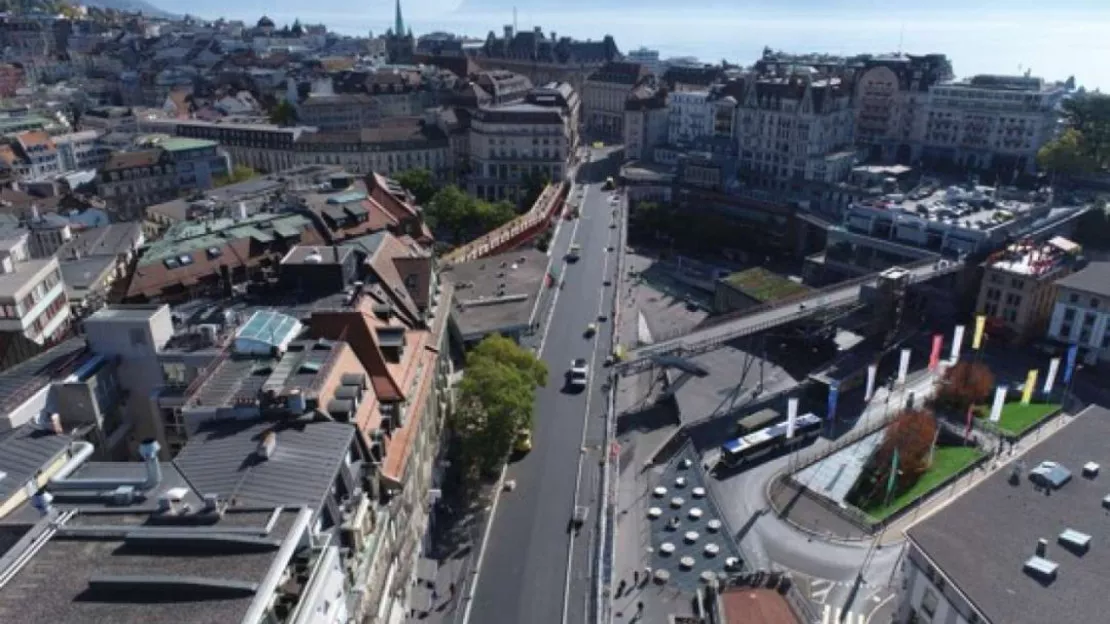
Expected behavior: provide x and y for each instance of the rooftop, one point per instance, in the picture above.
(763, 285)
(978, 208)
(1033, 259)
(982, 539)
(497, 294)
(1094, 279)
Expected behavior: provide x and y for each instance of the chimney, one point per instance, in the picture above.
(1042, 546)
(267, 445)
(148, 450)
(211, 501)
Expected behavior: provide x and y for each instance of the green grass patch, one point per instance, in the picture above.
(1016, 418)
(947, 461)
(763, 285)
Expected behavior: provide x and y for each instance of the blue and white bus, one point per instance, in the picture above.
(759, 444)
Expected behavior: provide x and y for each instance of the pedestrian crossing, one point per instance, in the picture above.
(837, 615)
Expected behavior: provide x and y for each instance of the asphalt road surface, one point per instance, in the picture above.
(534, 568)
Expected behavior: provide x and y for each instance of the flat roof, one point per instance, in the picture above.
(982, 540)
(763, 285)
(1094, 279)
(482, 307)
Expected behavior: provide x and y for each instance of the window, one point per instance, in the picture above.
(1069, 314)
(1073, 298)
(1094, 303)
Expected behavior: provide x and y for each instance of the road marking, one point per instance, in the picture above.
(585, 426)
(482, 548)
(558, 288)
(816, 593)
(837, 615)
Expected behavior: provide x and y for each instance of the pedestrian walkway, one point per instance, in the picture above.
(837, 615)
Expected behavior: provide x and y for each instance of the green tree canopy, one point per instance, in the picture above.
(283, 114)
(419, 182)
(462, 217)
(496, 401)
(1088, 113)
(1067, 154)
(239, 173)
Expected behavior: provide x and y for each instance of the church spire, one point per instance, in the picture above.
(399, 26)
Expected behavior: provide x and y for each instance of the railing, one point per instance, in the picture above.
(536, 218)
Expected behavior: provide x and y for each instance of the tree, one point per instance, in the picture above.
(534, 183)
(1088, 113)
(963, 385)
(462, 217)
(496, 401)
(1067, 154)
(283, 113)
(911, 434)
(419, 182)
(297, 29)
(240, 173)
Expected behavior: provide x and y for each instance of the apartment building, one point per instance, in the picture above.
(131, 181)
(396, 145)
(604, 94)
(892, 100)
(689, 116)
(199, 163)
(510, 143)
(646, 121)
(1081, 312)
(795, 128)
(331, 112)
(79, 151)
(95, 260)
(988, 122)
(260, 146)
(1018, 289)
(30, 155)
(503, 86)
(33, 300)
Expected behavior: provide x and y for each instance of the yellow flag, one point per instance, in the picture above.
(1030, 383)
(977, 339)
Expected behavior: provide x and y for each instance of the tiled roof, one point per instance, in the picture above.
(132, 160)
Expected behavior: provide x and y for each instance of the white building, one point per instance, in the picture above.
(796, 128)
(79, 151)
(32, 296)
(990, 122)
(689, 117)
(1081, 315)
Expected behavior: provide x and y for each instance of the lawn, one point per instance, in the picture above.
(1016, 418)
(763, 285)
(947, 461)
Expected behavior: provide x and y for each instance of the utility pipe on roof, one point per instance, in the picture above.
(61, 481)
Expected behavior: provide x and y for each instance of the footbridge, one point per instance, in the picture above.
(712, 335)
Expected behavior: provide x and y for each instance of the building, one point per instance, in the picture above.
(30, 155)
(992, 123)
(33, 300)
(497, 295)
(212, 256)
(400, 45)
(795, 129)
(604, 94)
(131, 181)
(689, 117)
(351, 208)
(199, 163)
(1017, 547)
(546, 58)
(648, 58)
(646, 121)
(892, 100)
(330, 112)
(1018, 290)
(396, 145)
(1081, 312)
(11, 79)
(503, 86)
(260, 146)
(511, 144)
(753, 287)
(78, 151)
(95, 260)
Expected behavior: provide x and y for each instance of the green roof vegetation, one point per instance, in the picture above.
(1016, 418)
(947, 461)
(763, 285)
(181, 144)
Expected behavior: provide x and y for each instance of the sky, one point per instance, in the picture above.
(981, 36)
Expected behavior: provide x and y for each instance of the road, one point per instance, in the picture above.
(533, 568)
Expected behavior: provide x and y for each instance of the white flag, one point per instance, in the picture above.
(957, 343)
(904, 366)
(871, 371)
(791, 417)
(999, 401)
(1050, 379)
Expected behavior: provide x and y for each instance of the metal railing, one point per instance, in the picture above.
(546, 204)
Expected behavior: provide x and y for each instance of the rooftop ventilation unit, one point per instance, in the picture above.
(1041, 568)
(1050, 474)
(1074, 541)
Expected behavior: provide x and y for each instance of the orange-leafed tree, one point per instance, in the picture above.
(911, 433)
(963, 385)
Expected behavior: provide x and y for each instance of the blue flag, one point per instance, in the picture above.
(1073, 352)
(834, 391)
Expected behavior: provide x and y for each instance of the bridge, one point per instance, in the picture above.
(754, 320)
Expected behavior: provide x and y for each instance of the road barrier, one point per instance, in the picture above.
(516, 232)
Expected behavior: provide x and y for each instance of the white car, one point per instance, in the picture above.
(579, 373)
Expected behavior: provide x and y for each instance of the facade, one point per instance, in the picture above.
(503, 86)
(1081, 312)
(993, 123)
(395, 146)
(648, 58)
(892, 100)
(795, 129)
(33, 300)
(337, 111)
(511, 142)
(199, 163)
(1018, 290)
(689, 117)
(1016, 547)
(262, 147)
(546, 58)
(131, 181)
(604, 94)
(96, 260)
(78, 151)
(646, 121)
(31, 155)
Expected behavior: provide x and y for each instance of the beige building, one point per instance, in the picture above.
(604, 95)
(261, 146)
(1018, 290)
(892, 94)
(131, 181)
(396, 145)
(645, 121)
(511, 142)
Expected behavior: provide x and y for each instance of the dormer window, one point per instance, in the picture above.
(392, 343)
